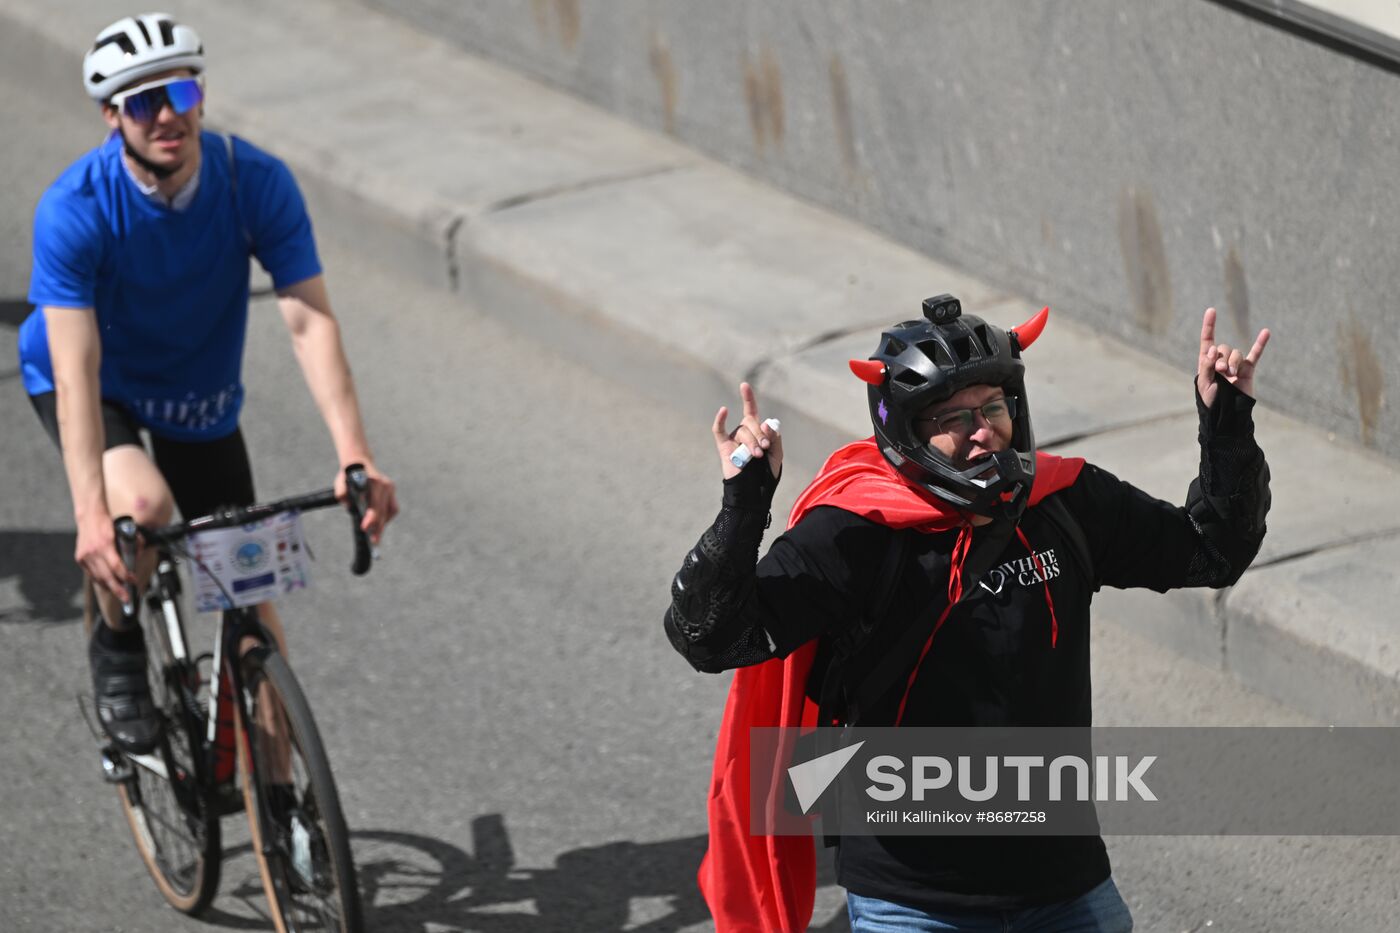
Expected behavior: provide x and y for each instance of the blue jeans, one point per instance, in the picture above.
(1099, 911)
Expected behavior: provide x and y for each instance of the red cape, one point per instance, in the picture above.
(766, 884)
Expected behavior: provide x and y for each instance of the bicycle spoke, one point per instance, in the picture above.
(307, 866)
(177, 837)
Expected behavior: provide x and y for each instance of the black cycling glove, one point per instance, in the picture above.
(704, 622)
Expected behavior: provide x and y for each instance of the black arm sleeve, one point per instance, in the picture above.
(705, 622)
(1229, 500)
(729, 609)
(1142, 541)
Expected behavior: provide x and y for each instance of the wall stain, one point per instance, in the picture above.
(841, 114)
(566, 12)
(755, 98)
(1145, 260)
(773, 81)
(763, 91)
(541, 10)
(570, 21)
(1237, 294)
(1361, 373)
(664, 67)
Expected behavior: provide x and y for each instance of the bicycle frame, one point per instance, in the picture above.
(214, 759)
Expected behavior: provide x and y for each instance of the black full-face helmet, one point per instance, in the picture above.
(920, 363)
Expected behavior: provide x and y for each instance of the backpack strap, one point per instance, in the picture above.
(233, 188)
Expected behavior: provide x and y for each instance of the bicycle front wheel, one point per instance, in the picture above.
(298, 828)
(171, 821)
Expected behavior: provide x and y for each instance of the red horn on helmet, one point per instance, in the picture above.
(871, 371)
(1025, 334)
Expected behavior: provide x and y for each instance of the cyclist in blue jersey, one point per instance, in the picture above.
(140, 281)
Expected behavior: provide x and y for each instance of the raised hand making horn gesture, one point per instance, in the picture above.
(751, 438)
(1236, 368)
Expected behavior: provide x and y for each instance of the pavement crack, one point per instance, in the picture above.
(449, 238)
(1291, 556)
(552, 191)
(826, 336)
(1064, 439)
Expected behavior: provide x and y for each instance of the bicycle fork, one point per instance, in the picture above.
(233, 699)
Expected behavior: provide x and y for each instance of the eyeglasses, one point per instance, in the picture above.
(143, 102)
(961, 422)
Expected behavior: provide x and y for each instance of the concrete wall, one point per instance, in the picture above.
(1127, 161)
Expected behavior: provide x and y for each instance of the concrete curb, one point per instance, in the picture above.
(676, 275)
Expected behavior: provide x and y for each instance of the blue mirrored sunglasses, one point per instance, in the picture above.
(144, 102)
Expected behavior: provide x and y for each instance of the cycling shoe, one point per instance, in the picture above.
(123, 697)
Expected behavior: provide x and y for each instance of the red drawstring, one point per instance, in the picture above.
(1040, 569)
(960, 549)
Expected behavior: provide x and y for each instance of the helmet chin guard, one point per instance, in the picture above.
(922, 362)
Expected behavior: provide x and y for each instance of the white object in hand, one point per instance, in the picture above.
(742, 455)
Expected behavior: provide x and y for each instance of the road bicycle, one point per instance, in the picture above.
(235, 717)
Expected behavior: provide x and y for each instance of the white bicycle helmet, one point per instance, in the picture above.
(136, 46)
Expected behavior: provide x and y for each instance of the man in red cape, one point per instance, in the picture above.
(953, 452)
(767, 882)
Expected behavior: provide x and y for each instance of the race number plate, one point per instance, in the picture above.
(249, 564)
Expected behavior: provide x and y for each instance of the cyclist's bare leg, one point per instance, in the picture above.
(136, 488)
(271, 720)
(267, 612)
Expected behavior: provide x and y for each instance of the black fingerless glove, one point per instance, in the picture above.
(708, 594)
(1229, 500)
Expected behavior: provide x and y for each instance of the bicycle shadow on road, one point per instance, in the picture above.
(50, 583)
(412, 883)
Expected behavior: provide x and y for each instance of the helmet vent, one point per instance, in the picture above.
(936, 352)
(894, 346)
(167, 32)
(144, 33)
(962, 348)
(121, 39)
(911, 379)
(985, 339)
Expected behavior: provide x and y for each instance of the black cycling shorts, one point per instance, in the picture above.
(203, 476)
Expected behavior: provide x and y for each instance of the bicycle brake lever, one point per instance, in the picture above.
(357, 501)
(128, 541)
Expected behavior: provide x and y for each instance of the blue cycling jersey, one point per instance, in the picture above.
(170, 288)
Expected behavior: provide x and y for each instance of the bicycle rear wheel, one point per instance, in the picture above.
(170, 819)
(298, 829)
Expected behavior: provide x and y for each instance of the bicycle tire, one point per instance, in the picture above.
(176, 833)
(308, 860)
